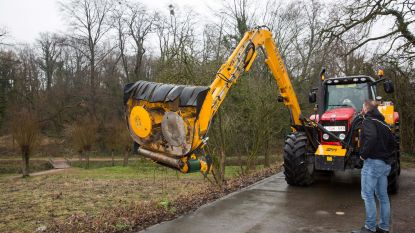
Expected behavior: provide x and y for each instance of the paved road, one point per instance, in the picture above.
(330, 205)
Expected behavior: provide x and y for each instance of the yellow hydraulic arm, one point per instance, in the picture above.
(170, 122)
(242, 59)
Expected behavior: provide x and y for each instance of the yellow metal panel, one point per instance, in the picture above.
(205, 113)
(330, 150)
(140, 121)
(251, 61)
(387, 112)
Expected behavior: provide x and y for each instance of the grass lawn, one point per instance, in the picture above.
(26, 204)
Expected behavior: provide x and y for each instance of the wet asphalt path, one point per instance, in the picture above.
(332, 205)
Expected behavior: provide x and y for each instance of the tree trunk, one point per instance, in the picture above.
(138, 62)
(48, 78)
(266, 155)
(87, 160)
(222, 165)
(112, 158)
(92, 83)
(413, 138)
(125, 163)
(25, 161)
(221, 175)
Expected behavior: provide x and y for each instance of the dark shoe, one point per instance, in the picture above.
(380, 230)
(363, 230)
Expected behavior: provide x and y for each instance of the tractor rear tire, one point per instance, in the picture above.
(297, 170)
(393, 178)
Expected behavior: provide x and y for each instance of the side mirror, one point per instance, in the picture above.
(388, 86)
(312, 97)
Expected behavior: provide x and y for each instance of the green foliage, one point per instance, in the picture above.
(122, 226)
(166, 205)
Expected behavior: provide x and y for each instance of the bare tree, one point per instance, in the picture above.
(8, 69)
(176, 34)
(118, 139)
(83, 135)
(119, 19)
(177, 43)
(309, 39)
(366, 15)
(240, 17)
(140, 24)
(281, 20)
(402, 76)
(3, 34)
(25, 130)
(26, 82)
(50, 49)
(89, 22)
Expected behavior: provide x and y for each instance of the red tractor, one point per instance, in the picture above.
(330, 141)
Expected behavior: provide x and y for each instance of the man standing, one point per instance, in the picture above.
(377, 145)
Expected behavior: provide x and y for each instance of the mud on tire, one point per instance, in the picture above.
(296, 169)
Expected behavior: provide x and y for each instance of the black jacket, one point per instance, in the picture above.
(377, 140)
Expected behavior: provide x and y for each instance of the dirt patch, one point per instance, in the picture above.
(144, 214)
(50, 172)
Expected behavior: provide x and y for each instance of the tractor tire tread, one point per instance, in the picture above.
(295, 164)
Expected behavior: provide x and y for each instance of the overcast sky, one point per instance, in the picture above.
(25, 19)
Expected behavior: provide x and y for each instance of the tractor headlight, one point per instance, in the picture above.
(342, 136)
(325, 136)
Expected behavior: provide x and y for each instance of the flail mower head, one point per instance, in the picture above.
(169, 122)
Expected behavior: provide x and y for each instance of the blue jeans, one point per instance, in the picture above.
(375, 182)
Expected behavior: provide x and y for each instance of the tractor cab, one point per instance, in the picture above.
(343, 98)
(348, 92)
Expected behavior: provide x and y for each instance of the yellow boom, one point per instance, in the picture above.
(170, 122)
